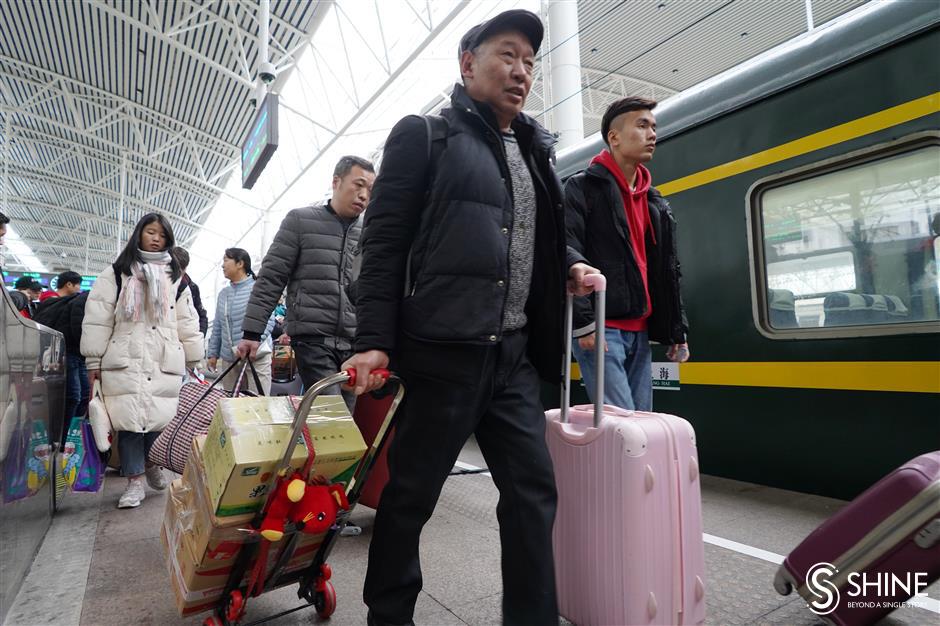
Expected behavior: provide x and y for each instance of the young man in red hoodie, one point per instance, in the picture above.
(624, 227)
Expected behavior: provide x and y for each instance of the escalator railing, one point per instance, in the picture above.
(32, 395)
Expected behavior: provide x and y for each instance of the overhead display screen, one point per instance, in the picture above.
(261, 141)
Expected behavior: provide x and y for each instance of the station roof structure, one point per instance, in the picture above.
(110, 109)
(662, 47)
(150, 96)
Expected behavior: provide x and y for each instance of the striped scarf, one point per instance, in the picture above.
(148, 288)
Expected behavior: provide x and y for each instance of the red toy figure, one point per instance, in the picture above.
(287, 493)
(319, 507)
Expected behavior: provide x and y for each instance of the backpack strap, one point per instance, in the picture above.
(591, 190)
(437, 138)
(181, 288)
(437, 135)
(118, 279)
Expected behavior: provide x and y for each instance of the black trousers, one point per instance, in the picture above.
(319, 357)
(452, 391)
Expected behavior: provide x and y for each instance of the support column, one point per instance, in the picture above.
(809, 14)
(7, 140)
(121, 205)
(261, 90)
(264, 17)
(565, 66)
(265, 234)
(264, 20)
(6, 160)
(87, 245)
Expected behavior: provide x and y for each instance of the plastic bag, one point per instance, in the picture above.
(99, 419)
(82, 467)
(37, 465)
(15, 485)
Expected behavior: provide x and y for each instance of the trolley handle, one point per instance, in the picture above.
(300, 415)
(599, 284)
(597, 281)
(351, 373)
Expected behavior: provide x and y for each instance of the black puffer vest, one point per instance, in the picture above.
(312, 254)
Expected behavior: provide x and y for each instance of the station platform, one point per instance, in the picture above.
(100, 566)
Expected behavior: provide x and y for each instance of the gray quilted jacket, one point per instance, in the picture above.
(312, 254)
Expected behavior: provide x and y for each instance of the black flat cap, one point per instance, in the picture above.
(526, 22)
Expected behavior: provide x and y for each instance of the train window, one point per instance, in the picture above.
(854, 247)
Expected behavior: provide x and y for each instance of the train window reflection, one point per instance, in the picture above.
(856, 246)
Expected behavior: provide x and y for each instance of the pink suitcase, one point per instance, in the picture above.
(890, 534)
(628, 532)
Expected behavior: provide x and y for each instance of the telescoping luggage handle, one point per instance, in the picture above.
(599, 283)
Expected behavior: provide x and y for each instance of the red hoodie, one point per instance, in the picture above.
(638, 218)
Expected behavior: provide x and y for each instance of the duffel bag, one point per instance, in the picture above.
(193, 417)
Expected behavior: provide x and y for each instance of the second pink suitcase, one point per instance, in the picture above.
(628, 532)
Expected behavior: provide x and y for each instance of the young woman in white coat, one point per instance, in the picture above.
(138, 343)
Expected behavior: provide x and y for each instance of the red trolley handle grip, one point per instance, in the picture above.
(351, 372)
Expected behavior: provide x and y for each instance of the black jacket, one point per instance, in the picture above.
(21, 302)
(65, 315)
(197, 302)
(453, 217)
(598, 229)
(312, 255)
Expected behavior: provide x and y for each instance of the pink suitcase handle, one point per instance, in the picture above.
(599, 283)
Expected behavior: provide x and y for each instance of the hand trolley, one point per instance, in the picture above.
(315, 587)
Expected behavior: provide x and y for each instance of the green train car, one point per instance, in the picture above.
(806, 185)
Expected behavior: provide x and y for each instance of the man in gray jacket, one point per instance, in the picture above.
(312, 255)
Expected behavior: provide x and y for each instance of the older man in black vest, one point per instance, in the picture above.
(477, 320)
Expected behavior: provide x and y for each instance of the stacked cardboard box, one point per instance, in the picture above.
(248, 438)
(202, 545)
(180, 561)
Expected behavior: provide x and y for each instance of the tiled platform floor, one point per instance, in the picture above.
(100, 566)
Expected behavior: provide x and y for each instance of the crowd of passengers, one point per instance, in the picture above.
(451, 267)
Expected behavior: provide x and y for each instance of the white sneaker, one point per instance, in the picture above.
(350, 530)
(155, 478)
(133, 495)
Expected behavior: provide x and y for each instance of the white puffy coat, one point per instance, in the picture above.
(142, 363)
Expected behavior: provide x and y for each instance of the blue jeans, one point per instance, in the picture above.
(134, 448)
(77, 389)
(628, 381)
